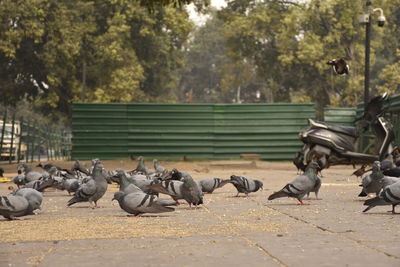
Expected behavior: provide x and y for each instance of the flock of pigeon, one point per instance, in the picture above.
(139, 189)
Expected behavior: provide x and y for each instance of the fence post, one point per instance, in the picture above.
(2, 132)
(28, 142)
(21, 123)
(12, 138)
(33, 142)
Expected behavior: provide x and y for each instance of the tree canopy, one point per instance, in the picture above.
(53, 53)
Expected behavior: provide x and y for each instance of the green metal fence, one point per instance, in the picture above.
(27, 139)
(341, 116)
(212, 131)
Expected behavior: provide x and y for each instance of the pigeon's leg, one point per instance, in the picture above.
(316, 196)
(302, 203)
(393, 210)
(135, 215)
(237, 194)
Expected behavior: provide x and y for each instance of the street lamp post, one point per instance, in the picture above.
(366, 19)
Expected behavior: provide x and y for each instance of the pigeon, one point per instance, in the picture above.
(19, 203)
(298, 162)
(138, 202)
(172, 188)
(245, 185)
(92, 190)
(388, 180)
(191, 191)
(301, 185)
(30, 175)
(209, 185)
(71, 185)
(34, 197)
(316, 188)
(19, 179)
(339, 66)
(394, 172)
(141, 167)
(370, 183)
(158, 167)
(389, 196)
(40, 185)
(1, 172)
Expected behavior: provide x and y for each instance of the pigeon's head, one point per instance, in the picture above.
(119, 172)
(140, 158)
(313, 166)
(259, 184)
(118, 196)
(52, 170)
(155, 161)
(39, 165)
(33, 197)
(376, 166)
(22, 167)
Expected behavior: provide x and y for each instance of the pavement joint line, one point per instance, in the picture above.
(340, 234)
(247, 239)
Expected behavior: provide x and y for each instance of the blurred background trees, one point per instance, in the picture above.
(53, 53)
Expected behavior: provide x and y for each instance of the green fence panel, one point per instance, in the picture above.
(341, 116)
(212, 131)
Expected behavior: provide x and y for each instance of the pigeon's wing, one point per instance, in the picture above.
(303, 184)
(143, 203)
(13, 206)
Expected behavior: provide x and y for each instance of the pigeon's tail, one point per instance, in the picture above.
(362, 194)
(277, 195)
(74, 200)
(376, 201)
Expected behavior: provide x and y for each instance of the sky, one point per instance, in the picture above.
(200, 19)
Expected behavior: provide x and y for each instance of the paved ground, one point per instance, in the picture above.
(226, 231)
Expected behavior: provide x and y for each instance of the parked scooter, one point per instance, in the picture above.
(331, 144)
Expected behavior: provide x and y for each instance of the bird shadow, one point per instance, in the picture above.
(241, 196)
(388, 213)
(284, 204)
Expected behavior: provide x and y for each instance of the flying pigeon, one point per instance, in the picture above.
(339, 65)
(245, 185)
(301, 185)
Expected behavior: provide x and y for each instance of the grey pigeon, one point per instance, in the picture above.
(158, 167)
(172, 188)
(245, 185)
(20, 203)
(140, 181)
(138, 202)
(34, 197)
(370, 183)
(316, 188)
(388, 180)
(191, 191)
(301, 185)
(389, 196)
(210, 184)
(71, 185)
(92, 190)
(141, 167)
(19, 179)
(1, 172)
(30, 175)
(40, 185)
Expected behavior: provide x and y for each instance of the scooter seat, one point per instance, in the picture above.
(348, 130)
